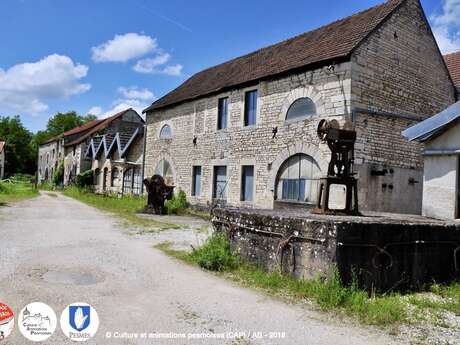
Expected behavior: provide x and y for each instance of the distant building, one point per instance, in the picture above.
(111, 147)
(2, 159)
(117, 154)
(441, 181)
(244, 132)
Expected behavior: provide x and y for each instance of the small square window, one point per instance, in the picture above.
(222, 113)
(250, 108)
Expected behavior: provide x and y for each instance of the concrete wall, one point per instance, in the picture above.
(440, 188)
(254, 145)
(398, 79)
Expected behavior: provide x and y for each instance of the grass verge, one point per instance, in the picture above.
(15, 189)
(126, 208)
(329, 294)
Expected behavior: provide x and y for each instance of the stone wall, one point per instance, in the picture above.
(75, 161)
(398, 79)
(2, 164)
(253, 145)
(49, 157)
(386, 253)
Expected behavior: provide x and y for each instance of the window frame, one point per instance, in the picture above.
(221, 125)
(243, 184)
(215, 182)
(246, 107)
(160, 134)
(193, 191)
(300, 118)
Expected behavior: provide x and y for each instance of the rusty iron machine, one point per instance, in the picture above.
(158, 192)
(341, 142)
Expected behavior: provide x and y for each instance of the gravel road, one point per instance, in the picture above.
(59, 251)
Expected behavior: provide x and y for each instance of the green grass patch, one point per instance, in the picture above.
(16, 189)
(126, 208)
(328, 293)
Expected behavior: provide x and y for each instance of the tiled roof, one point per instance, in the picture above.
(453, 64)
(2, 146)
(331, 42)
(96, 126)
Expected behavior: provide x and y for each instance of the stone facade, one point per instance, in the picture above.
(394, 78)
(50, 155)
(75, 161)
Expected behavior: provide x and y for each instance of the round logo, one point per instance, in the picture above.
(79, 321)
(6, 321)
(37, 321)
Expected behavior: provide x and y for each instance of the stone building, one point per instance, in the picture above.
(441, 182)
(117, 156)
(2, 159)
(244, 132)
(77, 141)
(50, 155)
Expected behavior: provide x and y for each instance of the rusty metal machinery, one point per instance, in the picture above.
(158, 192)
(341, 142)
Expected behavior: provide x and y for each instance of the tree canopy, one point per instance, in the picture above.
(22, 145)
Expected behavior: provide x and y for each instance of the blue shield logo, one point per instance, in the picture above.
(79, 317)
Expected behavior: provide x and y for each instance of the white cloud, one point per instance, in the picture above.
(26, 87)
(132, 97)
(148, 65)
(446, 26)
(123, 48)
(156, 65)
(134, 92)
(95, 111)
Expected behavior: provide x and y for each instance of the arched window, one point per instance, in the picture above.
(166, 132)
(302, 107)
(164, 169)
(298, 179)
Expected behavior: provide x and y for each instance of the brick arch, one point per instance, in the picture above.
(308, 91)
(308, 149)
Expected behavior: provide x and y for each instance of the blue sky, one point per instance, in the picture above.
(101, 56)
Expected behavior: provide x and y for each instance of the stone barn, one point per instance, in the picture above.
(50, 155)
(244, 132)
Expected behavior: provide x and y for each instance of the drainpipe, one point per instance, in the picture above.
(143, 155)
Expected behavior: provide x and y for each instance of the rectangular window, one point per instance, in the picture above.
(250, 108)
(247, 183)
(196, 181)
(220, 182)
(222, 113)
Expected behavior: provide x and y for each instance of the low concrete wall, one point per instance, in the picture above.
(386, 252)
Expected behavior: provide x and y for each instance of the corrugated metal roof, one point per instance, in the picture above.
(433, 125)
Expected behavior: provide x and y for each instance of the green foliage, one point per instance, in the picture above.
(17, 188)
(62, 122)
(58, 176)
(85, 179)
(19, 154)
(216, 255)
(177, 204)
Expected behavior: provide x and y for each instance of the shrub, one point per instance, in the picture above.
(216, 255)
(177, 204)
(85, 179)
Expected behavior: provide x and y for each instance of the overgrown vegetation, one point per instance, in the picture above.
(17, 188)
(126, 207)
(85, 179)
(58, 176)
(177, 204)
(329, 294)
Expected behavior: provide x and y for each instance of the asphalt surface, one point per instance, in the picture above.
(59, 251)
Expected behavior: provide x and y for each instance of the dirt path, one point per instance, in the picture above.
(48, 242)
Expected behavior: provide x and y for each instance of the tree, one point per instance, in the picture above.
(19, 153)
(62, 122)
